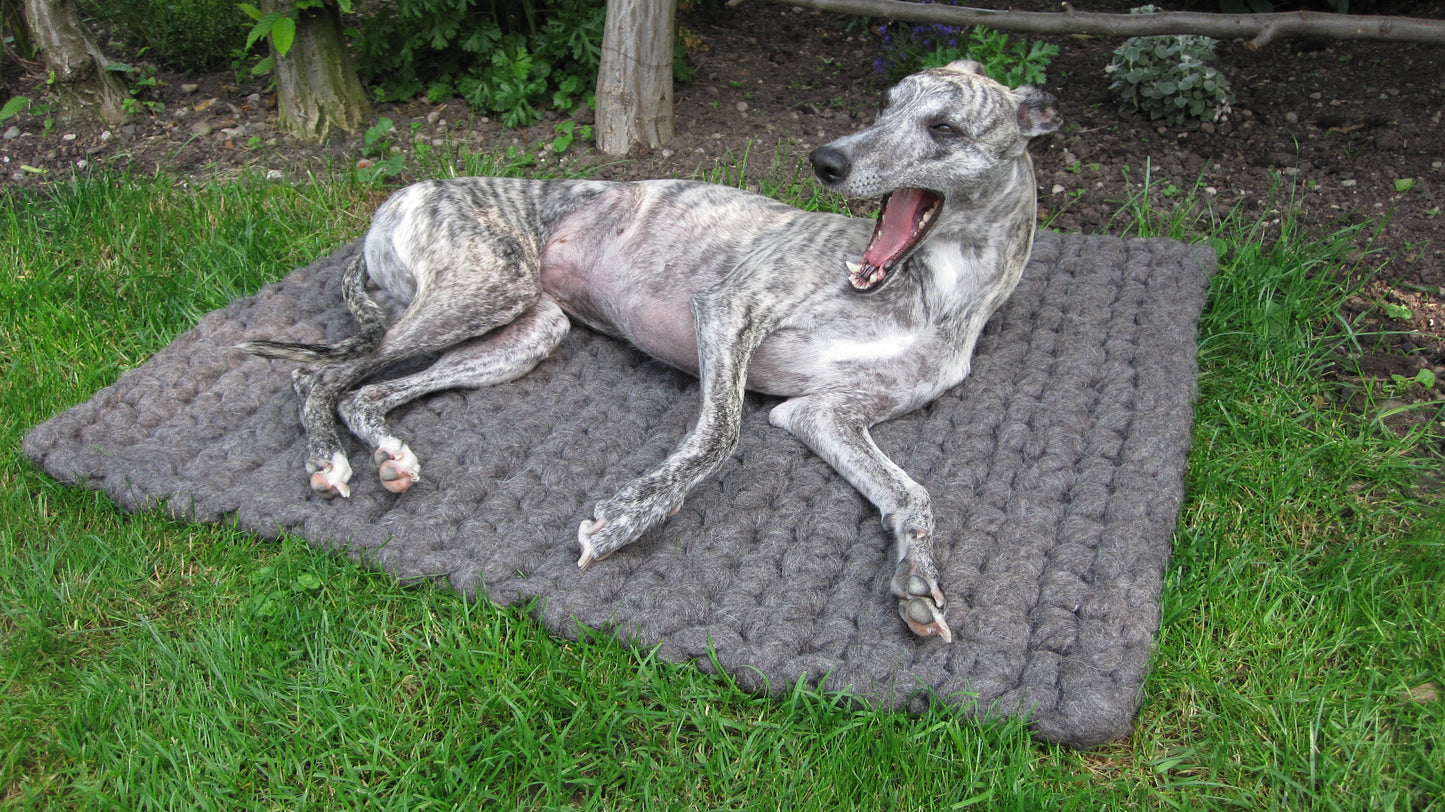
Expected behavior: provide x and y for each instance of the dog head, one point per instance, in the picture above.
(947, 135)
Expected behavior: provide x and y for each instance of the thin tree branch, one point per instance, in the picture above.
(1260, 29)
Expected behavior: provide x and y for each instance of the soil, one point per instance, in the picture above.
(1323, 134)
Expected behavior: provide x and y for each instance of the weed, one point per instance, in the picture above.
(141, 81)
(566, 132)
(384, 161)
(14, 107)
(1423, 381)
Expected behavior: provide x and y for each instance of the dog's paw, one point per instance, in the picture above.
(618, 523)
(920, 601)
(396, 465)
(330, 478)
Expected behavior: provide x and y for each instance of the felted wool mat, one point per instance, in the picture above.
(1056, 471)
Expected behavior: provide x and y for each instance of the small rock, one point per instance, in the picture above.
(433, 117)
(1348, 183)
(82, 163)
(68, 137)
(129, 130)
(742, 107)
(275, 174)
(12, 133)
(1058, 189)
(106, 136)
(189, 87)
(1207, 128)
(667, 153)
(200, 129)
(1291, 117)
(254, 98)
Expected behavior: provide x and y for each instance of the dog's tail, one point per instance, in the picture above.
(367, 312)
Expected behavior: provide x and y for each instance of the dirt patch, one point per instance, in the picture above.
(1339, 134)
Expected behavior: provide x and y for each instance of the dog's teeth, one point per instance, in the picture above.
(853, 267)
(926, 218)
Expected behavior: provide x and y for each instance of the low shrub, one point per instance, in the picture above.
(1168, 77)
(911, 48)
(190, 36)
(511, 57)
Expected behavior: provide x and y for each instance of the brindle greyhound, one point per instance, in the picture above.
(852, 322)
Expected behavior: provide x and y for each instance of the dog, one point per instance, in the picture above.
(852, 322)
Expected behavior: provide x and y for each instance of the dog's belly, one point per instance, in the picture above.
(629, 262)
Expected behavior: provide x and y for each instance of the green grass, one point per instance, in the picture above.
(147, 664)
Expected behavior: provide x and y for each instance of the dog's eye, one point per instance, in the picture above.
(943, 128)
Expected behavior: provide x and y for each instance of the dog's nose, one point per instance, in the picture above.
(829, 164)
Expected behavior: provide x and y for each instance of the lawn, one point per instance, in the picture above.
(150, 664)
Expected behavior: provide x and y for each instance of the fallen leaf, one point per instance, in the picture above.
(1425, 692)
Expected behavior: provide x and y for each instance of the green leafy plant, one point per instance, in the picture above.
(1424, 380)
(280, 26)
(567, 132)
(140, 81)
(1397, 311)
(512, 59)
(382, 161)
(908, 49)
(14, 107)
(1168, 78)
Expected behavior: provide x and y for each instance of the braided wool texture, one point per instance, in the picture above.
(1056, 472)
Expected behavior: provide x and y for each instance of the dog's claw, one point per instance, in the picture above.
(920, 603)
(584, 538)
(397, 466)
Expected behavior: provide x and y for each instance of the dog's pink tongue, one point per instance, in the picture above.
(896, 223)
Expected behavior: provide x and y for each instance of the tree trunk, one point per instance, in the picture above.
(634, 81)
(317, 88)
(72, 55)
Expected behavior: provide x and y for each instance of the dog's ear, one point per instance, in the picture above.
(1038, 111)
(965, 66)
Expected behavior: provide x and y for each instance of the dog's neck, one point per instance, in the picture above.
(977, 241)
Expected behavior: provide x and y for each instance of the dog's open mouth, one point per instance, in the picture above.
(905, 219)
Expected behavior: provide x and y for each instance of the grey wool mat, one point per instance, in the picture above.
(1056, 471)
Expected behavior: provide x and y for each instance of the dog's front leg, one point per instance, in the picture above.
(727, 337)
(835, 425)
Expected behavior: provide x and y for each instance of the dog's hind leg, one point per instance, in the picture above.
(487, 277)
(505, 354)
(835, 426)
